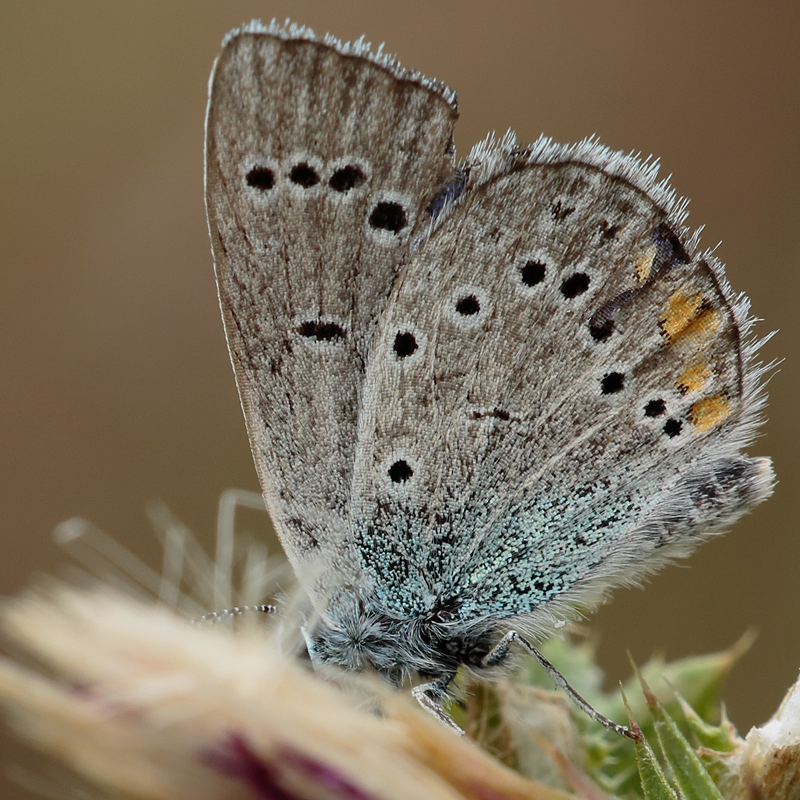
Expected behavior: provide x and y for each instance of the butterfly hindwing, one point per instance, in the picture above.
(559, 386)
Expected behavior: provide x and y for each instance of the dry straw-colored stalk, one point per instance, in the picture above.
(140, 704)
(143, 704)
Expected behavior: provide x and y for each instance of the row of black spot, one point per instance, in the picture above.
(611, 383)
(304, 175)
(386, 215)
(656, 408)
(401, 472)
(532, 273)
(614, 381)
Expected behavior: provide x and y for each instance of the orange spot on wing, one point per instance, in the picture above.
(708, 412)
(702, 326)
(694, 377)
(681, 309)
(688, 316)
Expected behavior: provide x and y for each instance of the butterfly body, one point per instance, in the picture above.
(479, 395)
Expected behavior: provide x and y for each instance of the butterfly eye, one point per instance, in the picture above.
(262, 178)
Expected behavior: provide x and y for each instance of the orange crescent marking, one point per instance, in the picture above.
(708, 412)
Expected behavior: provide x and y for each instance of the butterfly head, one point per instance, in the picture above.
(434, 645)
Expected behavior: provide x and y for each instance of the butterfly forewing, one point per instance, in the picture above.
(320, 167)
(557, 389)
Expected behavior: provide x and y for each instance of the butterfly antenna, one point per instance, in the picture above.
(236, 611)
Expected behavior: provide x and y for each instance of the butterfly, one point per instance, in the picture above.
(479, 395)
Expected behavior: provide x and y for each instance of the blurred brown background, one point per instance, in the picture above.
(116, 386)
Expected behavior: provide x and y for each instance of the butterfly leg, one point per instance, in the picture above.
(428, 696)
(500, 651)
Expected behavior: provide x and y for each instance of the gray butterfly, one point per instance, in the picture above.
(480, 395)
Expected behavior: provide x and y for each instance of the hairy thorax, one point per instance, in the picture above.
(397, 648)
